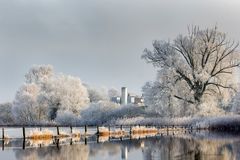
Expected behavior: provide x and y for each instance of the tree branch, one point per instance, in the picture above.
(186, 100)
(222, 86)
(189, 82)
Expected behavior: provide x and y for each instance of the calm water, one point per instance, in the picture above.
(194, 146)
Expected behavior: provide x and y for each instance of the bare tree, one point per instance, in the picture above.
(201, 63)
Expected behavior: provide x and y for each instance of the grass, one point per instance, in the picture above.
(144, 130)
(117, 133)
(63, 135)
(103, 138)
(40, 135)
(37, 142)
(103, 131)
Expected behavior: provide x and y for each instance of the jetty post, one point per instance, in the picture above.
(97, 129)
(23, 131)
(85, 140)
(85, 129)
(3, 133)
(2, 138)
(71, 131)
(58, 133)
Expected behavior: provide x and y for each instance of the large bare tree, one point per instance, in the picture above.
(197, 64)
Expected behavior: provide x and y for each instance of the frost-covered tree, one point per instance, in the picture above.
(39, 74)
(65, 93)
(196, 67)
(26, 108)
(112, 92)
(158, 97)
(46, 92)
(102, 94)
(6, 116)
(96, 95)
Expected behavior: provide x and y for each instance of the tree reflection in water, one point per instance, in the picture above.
(161, 148)
(71, 152)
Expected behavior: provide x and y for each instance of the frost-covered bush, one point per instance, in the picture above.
(140, 120)
(219, 122)
(227, 122)
(66, 118)
(235, 103)
(127, 111)
(209, 109)
(127, 121)
(97, 113)
(104, 112)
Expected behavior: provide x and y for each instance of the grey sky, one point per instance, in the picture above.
(100, 41)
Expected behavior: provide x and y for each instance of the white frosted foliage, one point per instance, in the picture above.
(46, 92)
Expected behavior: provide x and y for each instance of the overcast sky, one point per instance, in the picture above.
(100, 41)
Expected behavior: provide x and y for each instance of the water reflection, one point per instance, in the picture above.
(197, 147)
(73, 152)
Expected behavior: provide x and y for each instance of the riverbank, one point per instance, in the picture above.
(221, 123)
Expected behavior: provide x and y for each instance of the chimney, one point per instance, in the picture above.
(124, 96)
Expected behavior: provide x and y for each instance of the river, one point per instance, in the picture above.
(185, 146)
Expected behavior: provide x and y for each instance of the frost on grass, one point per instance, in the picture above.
(227, 122)
(44, 134)
(144, 130)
